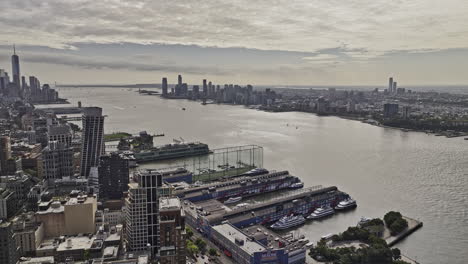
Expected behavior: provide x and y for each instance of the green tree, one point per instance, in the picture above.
(192, 248)
(398, 226)
(189, 232)
(391, 217)
(212, 252)
(201, 244)
(396, 253)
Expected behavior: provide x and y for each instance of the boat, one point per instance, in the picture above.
(288, 222)
(296, 185)
(346, 204)
(172, 151)
(241, 205)
(321, 212)
(233, 200)
(255, 172)
(363, 221)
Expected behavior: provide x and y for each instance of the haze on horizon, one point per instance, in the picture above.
(279, 42)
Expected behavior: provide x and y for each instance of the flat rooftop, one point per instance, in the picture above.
(76, 243)
(169, 203)
(231, 233)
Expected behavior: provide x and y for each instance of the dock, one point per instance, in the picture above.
(413, 225)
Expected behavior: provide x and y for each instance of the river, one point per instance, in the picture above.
(423, 176)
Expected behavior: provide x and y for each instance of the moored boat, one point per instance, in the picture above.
(288, 222)
(233, 200)
(321, 212)
(346, 204)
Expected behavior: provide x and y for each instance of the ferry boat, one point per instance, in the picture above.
(346, 204)
(288, 222)
(321, 212)
(296, 185)
(255, 172)
(171, 151)
(233, 200)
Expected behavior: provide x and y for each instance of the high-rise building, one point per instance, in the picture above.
(164, 86)
(92, 139)
(179, 80)
(9, 252)
(390, 84)
(113, 176)
(15, 69)
(394, 87)
(57, 160)
(5, 153)
(172, 234)
(205, 88)
(142, 213)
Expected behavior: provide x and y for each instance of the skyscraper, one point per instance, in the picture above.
(205, 88)
(113, 176)
(92, 139)
(142, 213)
(164, 86)
(5, 153)
(390, 84)
(179, 82)
(394, 87)
(15, 68)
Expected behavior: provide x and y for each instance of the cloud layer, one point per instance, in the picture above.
(302, 25)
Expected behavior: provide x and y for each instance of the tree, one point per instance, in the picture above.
(189, 232)
(398, 226)
(396, 253)
(201, 244)
(212, 252)
(391, 217)
(192, 248)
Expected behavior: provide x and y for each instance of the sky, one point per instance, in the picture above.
(263, 42)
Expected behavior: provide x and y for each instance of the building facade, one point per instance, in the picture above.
(172, 231)
(142, 213)
(113, 176)
(57, 160)
(93, 139)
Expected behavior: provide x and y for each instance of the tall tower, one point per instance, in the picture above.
(394, 87)
(92, 139)
(205, 88)
(390, 84)
(113, 176)
(179, 81)
(164, 86)
(15, 68)
(142, 213)
(5, 153)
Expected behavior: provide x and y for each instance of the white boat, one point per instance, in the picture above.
(321, 212)
(296, 185)
(241, 205)
(363, 221)
(233, 200)
(288, 222)
(346, 204)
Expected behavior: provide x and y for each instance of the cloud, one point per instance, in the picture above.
(303, 25)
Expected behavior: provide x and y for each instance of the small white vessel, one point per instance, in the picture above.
(288, 222)
(321, 212)
(233, 200)
(296, 185)
(346, 204)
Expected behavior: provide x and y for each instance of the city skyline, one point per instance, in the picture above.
(308, 43)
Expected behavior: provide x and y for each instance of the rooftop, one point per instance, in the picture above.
(76, 243)
(231, 233)
(169, 203)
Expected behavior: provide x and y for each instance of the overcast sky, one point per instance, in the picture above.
(287, 42)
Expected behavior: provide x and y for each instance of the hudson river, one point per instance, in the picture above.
(422, 176)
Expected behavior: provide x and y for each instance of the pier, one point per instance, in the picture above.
(413, 225)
